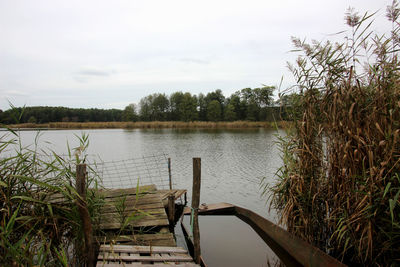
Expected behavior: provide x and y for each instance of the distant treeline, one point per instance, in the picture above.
(247, 104)
(58, 114)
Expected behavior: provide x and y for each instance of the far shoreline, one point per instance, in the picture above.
(150, 125)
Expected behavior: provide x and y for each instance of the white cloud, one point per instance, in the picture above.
(111, 49)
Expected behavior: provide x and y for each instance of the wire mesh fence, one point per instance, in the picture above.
(145, 170)
(127, 173)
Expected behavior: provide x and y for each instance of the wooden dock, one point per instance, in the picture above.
(135, 229)
(136, 216)
(124, 255)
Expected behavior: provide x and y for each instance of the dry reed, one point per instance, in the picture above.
(340, 184)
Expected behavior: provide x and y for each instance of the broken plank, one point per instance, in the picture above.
(176, 192)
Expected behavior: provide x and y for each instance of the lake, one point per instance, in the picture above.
(233, 163)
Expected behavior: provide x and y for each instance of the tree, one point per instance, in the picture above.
(252, 111)
(188, 108)
(32, 119)
(214, 111)
(202, 107)
(238, 105)
(129, 113)
(250, 104)
(145, 110)
(263, 95)
(159, 107)
(175, 105)
(230, 114)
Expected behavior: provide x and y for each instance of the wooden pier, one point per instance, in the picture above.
(140, 210)
(136, 228)
(125, 255)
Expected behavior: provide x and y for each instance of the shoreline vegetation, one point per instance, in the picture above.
(153, 125)
(339, 185)
(245, 105)
(41, 215)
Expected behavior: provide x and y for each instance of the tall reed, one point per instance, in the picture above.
(40, 223)
(339, 186)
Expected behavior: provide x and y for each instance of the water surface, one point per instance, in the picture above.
(233, 163)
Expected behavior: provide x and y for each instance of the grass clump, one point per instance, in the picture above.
(39, 220)
(339, 186)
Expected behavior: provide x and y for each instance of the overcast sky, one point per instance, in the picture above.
(108, 54)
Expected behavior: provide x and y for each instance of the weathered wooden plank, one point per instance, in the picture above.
(176, 192)
(145, 215)
(132, 202)
(161, 239)
(154, 199)
(114, 214)
(127, 191)
(141, 249)
(109, 208)
(111, 193)
(166, 239)
(139, 264)
(140, 197)
(150, 204)
(137, 223)
(156, 257)
(181, 264)
(209, 209)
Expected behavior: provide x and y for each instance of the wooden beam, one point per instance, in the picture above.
(169, 173)
(213, 209)
(195, 206)
(171, 209)
(84, 213)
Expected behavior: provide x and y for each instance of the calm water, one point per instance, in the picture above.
(233, 162)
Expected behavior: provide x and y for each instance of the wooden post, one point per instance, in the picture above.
(84, 213)
(171, 209)
(195, 207)
(169, 172)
